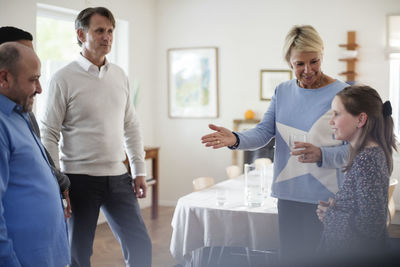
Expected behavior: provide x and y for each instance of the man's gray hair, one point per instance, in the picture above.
(9, 57)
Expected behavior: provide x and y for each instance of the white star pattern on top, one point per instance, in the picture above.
(320, 133)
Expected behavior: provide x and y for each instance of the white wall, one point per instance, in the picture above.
(249, 35)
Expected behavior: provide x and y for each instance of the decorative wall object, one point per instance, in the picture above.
(350, 57)
(193, 82)
(269, 79)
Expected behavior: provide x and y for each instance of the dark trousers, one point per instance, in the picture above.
(115, 196)
(299, 231)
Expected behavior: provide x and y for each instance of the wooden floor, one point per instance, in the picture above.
(107, 251)
(394, 231)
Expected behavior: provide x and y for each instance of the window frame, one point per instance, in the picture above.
(393, 56)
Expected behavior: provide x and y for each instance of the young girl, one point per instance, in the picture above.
(355, 219)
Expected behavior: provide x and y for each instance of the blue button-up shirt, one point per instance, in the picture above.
(32, 225)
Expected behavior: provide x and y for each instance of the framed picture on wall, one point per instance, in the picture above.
(269, 79)
(193, 82)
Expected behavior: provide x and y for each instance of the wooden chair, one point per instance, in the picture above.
(262, 161)
(391, 206)
(233, 171)
(233, 257)
(201, 183)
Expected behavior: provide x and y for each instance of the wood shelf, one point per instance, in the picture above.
(237, 122)
(350, 72)
(348, 59)
(349, 46)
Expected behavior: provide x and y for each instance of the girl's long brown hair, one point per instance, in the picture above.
(379, 125)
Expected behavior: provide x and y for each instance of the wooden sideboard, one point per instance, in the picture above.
(236, 127)
(152, 154)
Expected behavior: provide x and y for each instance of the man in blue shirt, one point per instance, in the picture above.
(32, 225)
(12, 34)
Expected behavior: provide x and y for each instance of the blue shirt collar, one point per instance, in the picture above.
(7, 105)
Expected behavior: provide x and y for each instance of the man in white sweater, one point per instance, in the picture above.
(89, 103)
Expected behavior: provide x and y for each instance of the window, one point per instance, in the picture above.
(393, 53)
(56, 43)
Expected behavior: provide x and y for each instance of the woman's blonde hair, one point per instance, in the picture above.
(303, 38)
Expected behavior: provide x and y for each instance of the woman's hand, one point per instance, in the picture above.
(323, 207)
(308, 153)
(220, 138)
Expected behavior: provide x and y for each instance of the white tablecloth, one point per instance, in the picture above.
(199, 222)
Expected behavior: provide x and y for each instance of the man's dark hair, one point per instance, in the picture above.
(83, 19)
(12, 34)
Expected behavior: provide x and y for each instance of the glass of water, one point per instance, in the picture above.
(221, 195)
(254, 185)
(296, 137)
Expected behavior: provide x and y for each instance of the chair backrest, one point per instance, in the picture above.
(391, 206)
(262, 161)
(392, 186)
(200, 183)
(233, 171)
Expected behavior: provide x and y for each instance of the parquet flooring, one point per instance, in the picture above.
(107, 251)
(394, 230)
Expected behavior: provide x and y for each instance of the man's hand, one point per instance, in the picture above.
(140, 186)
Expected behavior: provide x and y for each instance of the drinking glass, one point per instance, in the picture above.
(221, 195)
(296, 137)
(254, 185)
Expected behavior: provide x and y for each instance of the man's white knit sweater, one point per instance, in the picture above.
(93, 111)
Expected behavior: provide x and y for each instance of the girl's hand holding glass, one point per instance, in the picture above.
(307, 152)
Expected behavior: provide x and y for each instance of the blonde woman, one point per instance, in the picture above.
(302, 177)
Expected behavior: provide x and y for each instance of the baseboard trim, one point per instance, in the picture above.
(396, 219)
(168, 203)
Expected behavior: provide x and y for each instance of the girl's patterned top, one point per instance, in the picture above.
(358, 218)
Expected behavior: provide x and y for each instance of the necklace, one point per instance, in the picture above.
(321, 80)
